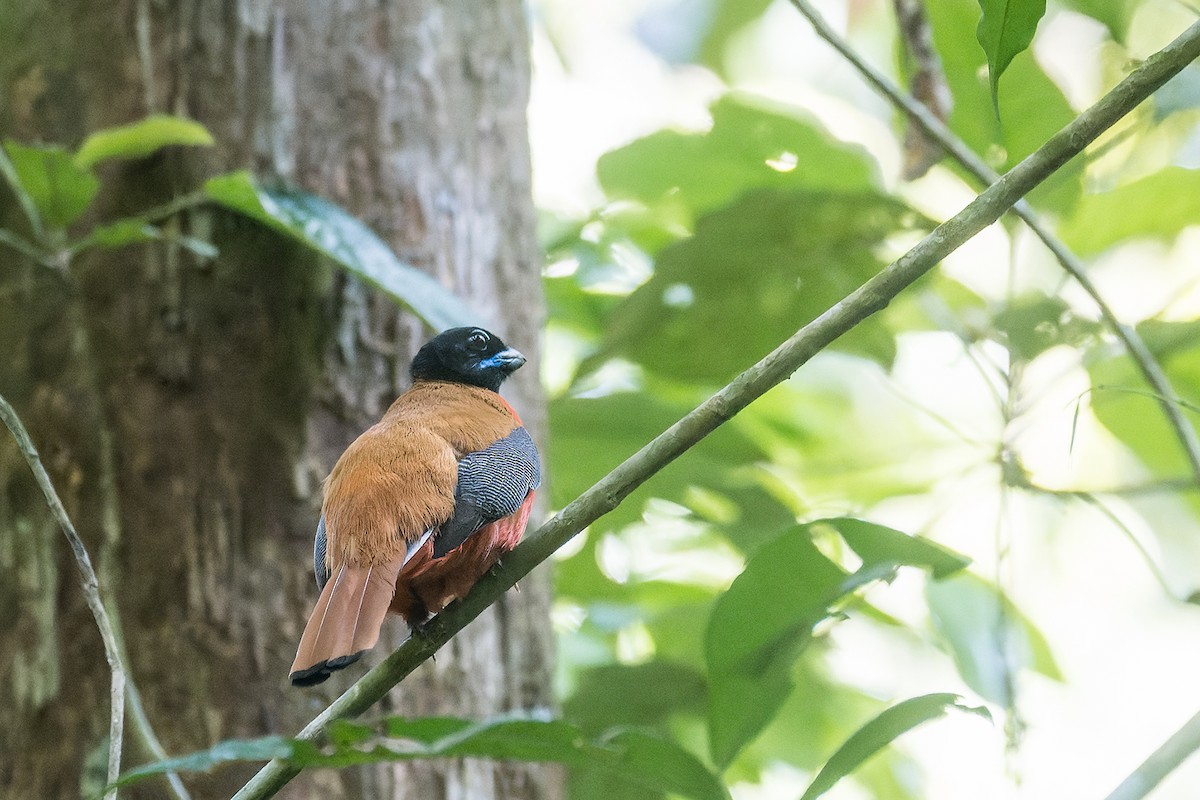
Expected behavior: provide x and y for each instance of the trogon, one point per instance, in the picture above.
(423, 503)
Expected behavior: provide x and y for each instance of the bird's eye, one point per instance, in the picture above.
(477, 341)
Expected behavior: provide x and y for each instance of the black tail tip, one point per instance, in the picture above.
(319, 673)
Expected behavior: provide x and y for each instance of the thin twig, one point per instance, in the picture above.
(91, 589)
(1173, 752)
(868, 299)
(1159, 486)
(145, 731)
(1151, 370)
(1151, 565)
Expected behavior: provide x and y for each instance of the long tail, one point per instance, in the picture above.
(346, 621)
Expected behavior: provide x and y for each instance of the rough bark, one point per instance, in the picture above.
(230, 386)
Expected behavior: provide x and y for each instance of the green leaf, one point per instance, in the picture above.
(234, 750)
(331, 231)
(752, 143)
(58, 189)
(989, 638)
(880, 732)
(634, 694)
(878, 544)
(593, 435)
(757, 629)
(660, 764)
(1124, 405)
(728, 19)
(1033, 323)
(1159, 205)
(1005, 29)
(140, 139)
(761, 267)
(765, 619)
(9, 173)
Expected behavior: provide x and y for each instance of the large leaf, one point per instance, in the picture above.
(879, 733)
(1159, 205)
(140, 139)
(756, 630)
(625, 757)
(753, 273)
(1006, 29)
(59, 190)
(879, 544)
(765, 619)
(331, 231)
(634, 694)
(989, 637)
(752, 144)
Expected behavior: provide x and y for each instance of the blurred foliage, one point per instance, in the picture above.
(711, 247)
(990, 639)
(623, 760)
(55, 188)
(760, 625)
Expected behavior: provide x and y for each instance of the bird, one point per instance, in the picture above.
(422, 504)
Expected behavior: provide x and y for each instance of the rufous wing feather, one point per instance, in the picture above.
(346, 620)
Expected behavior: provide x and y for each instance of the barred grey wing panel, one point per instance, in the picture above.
(319, 555)
(492, 483)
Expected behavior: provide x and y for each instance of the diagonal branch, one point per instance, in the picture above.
(937, 130)
(91, 589)
(869, 298)
(1173, 752)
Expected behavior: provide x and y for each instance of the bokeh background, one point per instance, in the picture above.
(988, 409)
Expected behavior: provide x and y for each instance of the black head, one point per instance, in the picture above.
(466, 355)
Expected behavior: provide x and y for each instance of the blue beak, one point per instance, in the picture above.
(509, 360)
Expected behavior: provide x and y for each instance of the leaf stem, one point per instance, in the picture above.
(173, 206)
(9, 173)
(937, 130)
(868, 299)
(23, 247)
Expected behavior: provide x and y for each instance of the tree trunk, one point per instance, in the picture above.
(220, 392)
